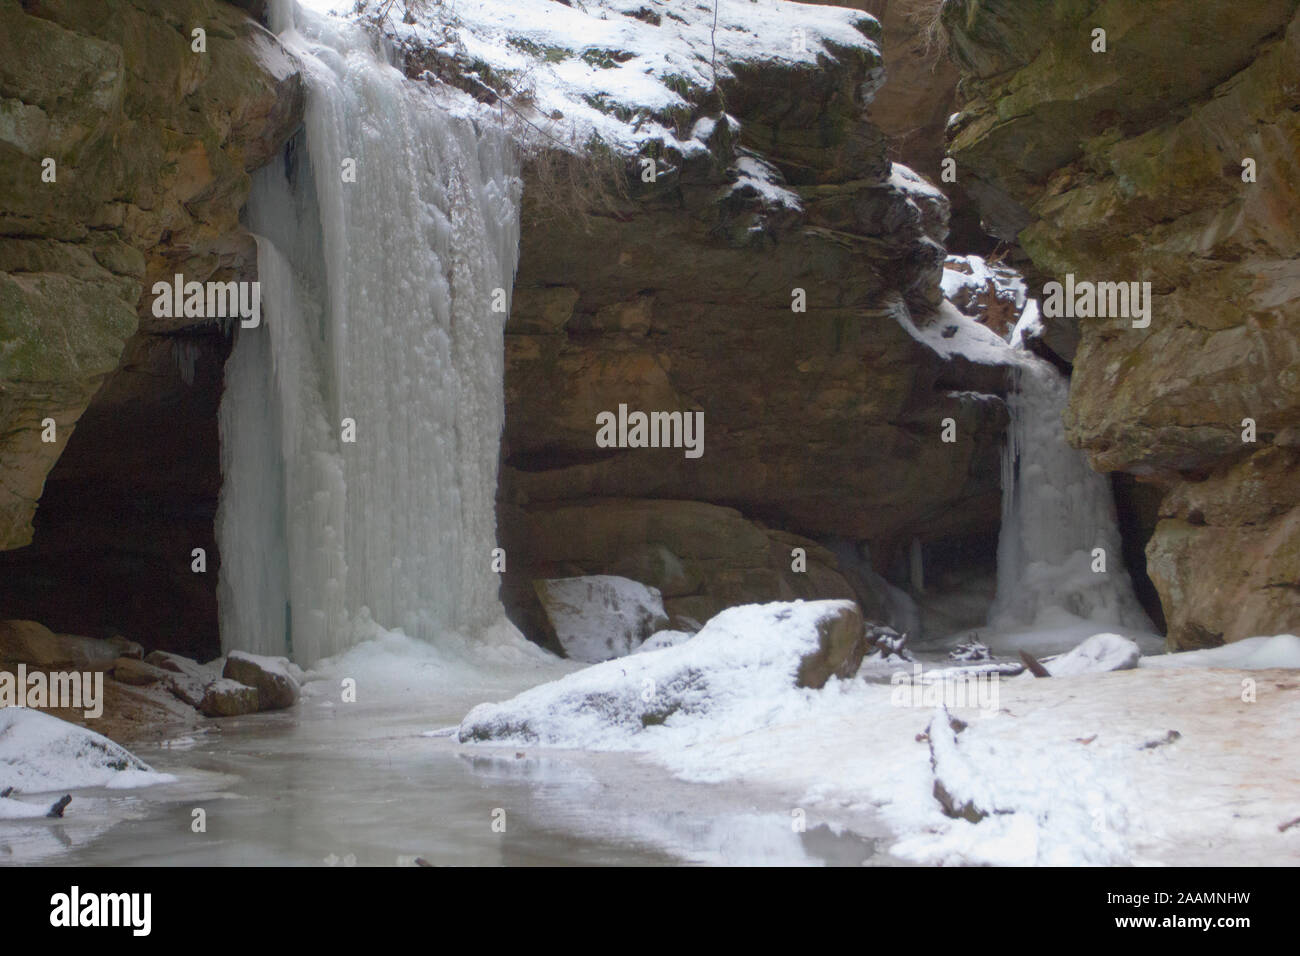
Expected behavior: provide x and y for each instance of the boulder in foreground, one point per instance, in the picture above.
(732, 670)
(40, 753)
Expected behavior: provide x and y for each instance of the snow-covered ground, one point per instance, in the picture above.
(1187, 759)
(1180, 761)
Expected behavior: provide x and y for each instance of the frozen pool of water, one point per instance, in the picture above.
(320, 786)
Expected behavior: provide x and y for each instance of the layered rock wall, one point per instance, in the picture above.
(124, 159)
(677, 296)
(1131, 165)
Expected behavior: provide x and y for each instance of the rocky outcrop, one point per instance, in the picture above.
(674, 295)
(29, 642)
(1170, 158)
(677, 295)
(914, 103)
(1226, 553)
(124, 159)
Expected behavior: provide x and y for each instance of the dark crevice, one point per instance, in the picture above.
(1137, 509)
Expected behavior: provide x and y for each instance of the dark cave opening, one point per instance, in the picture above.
(1137, 509)
(130, 499)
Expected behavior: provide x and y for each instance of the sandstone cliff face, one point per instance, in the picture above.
(1127, 166)
(914, 103)
(151, 143)
(677, 296)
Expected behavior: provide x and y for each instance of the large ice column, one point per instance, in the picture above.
(388, 240)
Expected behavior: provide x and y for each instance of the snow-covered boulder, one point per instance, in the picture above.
(186, 678)
(1101, 652)
(273, 677)
(600, 616)
(40, 752)
(728, 676)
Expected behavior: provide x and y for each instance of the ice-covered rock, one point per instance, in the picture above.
(40, 752)
(273, 677)
(1101, 652)
(732, 671)
(970, 651)
(600, 616)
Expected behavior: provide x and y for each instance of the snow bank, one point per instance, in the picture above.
(40, 753)
(1253, 653)
(732, 676)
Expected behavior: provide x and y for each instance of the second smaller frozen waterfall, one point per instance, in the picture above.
(1056, 513)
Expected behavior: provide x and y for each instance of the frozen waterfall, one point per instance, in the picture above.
(378, 295)
(1056, 513)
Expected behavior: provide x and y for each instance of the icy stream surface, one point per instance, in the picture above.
(371, 784)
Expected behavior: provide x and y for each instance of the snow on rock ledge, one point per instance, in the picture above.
(617, 69)
(731, 674)
(600, 616)
(40, 753)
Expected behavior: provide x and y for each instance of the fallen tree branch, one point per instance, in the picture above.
(1032, 665)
